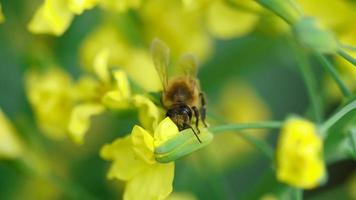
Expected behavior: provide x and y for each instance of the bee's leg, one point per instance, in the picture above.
(203, 108)
(196, 135)
(196, 114)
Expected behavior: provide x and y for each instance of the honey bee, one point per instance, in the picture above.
(181, 96)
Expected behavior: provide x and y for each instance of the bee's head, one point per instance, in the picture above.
(181, 115)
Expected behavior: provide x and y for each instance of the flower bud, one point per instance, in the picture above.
(312, 36)
(182, 144)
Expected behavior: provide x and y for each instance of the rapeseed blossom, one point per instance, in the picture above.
(299, 154)
(55, 16)
(134, 162)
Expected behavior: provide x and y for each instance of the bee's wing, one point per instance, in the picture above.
(160, 56)
(188, 65)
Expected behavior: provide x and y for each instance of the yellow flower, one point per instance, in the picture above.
(2, 18)
(336, 15)
(10, 145)
(108, 43)
(134, 162)
(186, 34)
(52, 17)
(226, 22)
(299, 154)
(149, 114)
(51, 97)
(55, 16)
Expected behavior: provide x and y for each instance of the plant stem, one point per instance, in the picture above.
(309, 79)
(349, 47)
(334, 74)
(244, 126)
(347, 57)
(336, 117)
(260, 145)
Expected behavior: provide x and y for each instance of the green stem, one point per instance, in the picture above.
(334, 74)
(309, 79)
(260, 145)
(347, 57)
(336, 117)
(297, 194)
(244, 126)
(349, 47)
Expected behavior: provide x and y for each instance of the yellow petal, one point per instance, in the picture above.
(78, 6)
(154, 183)
(125, 162)
(87, 88)
(2, 18)
(79, 122)
(299, 154)
(149, 113)
(51, 97)
(226, 22)
(10, 145)
(114, 100)
(52, 17)
(143, 144)
(118, 98)
(165, 130)
(100, 65)
(123, 84)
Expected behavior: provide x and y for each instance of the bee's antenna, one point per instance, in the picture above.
(195, 133)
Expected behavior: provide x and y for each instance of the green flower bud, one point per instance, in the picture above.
(182, 144)
(314, 37)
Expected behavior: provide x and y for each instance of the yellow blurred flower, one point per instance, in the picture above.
(226, 21)
(120, 53)
(2, 18)
(55, 16)
(336, 15)
(134, 162)
(186, 34)
(10, 145)
(52, 17)
(299, 154)
(51, 96)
